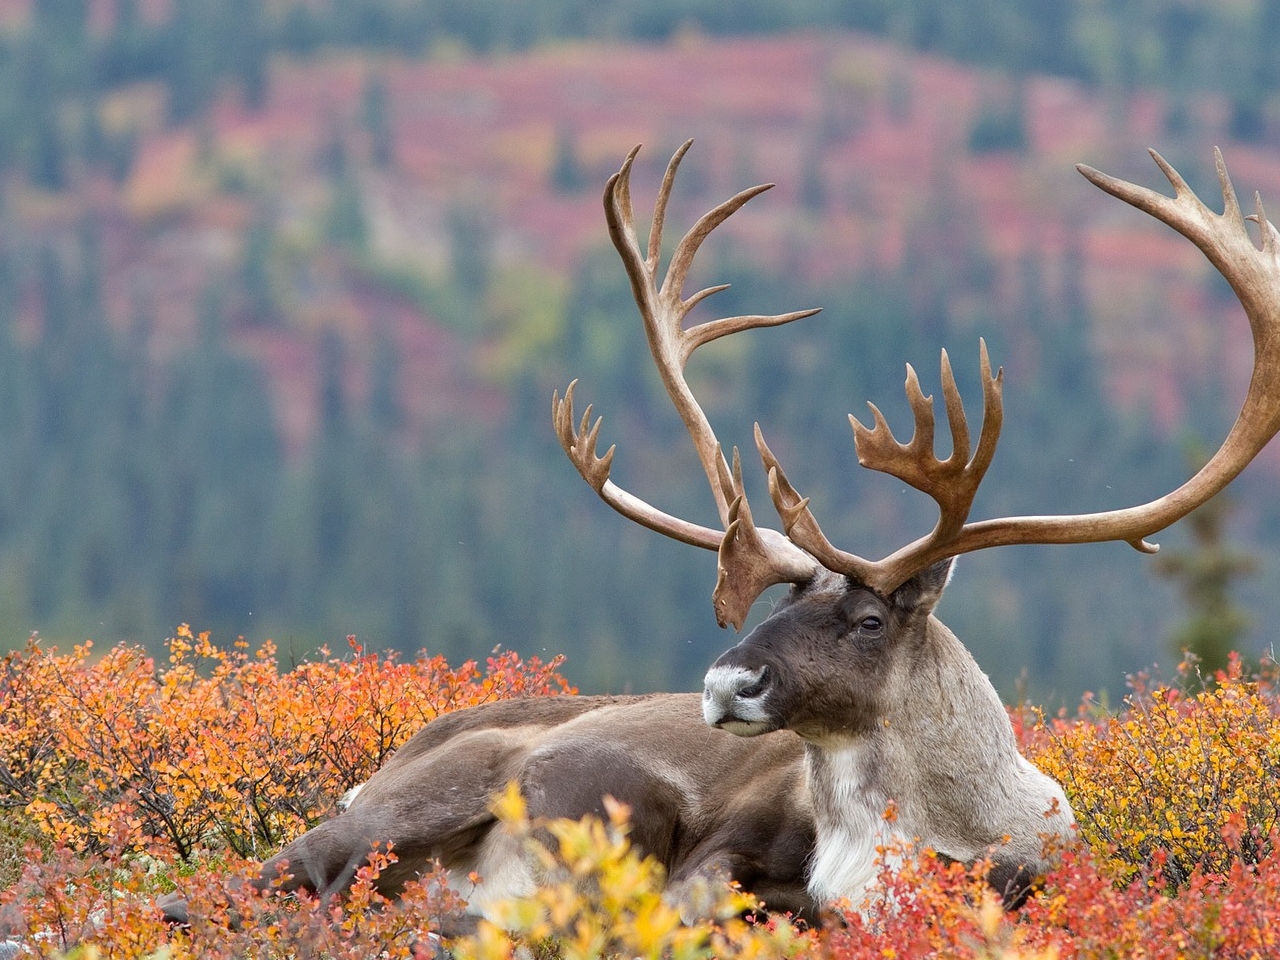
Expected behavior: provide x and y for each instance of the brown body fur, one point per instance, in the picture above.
(704, 803)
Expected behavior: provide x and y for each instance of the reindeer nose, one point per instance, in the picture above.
(753, 690)
(733, 698)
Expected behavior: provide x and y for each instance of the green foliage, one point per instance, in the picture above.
(375, 116)
(57, 70)
(471, 247)
(134, 489)
(1206, 572)
(998, 130)
(142, 480)
(566, 172)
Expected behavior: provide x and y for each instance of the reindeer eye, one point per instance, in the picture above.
(871, 625)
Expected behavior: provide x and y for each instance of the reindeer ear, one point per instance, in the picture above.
(923, 591)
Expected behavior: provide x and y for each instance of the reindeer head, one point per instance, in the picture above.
(838, 650)
(828, 661)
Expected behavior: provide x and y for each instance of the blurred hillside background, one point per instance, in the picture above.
(285, 288)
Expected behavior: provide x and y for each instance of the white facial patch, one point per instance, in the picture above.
(723, 704)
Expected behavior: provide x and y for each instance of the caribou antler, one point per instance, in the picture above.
(1254, 274)
(952, 482)
(751, 559)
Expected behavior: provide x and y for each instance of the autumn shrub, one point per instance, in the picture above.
(598, 896)
(1084, 913)
(930, 907)
(1184, 777)
(63, 898)
(68, 905)
(943, 910)
(360, 925)
(125, 779)
(219, 749)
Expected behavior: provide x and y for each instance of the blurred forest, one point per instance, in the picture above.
(285, 289)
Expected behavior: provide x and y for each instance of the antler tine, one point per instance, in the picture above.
(1254, 275)
(678, 272)
(992, 409)
(687, 248)
(751, 559)
(714, 329)
(660, 204)
(799, 523)
(620, 218)
(580, 443)
(1270, 236)
(663, 312)
(952, 483)
(956, 420)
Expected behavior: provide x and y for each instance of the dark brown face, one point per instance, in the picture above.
(823, 662)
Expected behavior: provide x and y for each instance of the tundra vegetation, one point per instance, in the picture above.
(329, 415)
(128, 782)
(124, 778)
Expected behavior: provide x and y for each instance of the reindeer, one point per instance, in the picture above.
(849, 699)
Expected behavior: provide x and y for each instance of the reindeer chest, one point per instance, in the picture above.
(853, 817)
